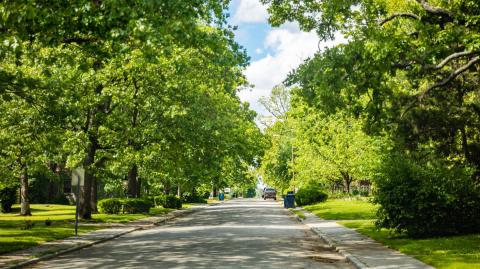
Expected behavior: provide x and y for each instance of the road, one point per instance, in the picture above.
(242, 233)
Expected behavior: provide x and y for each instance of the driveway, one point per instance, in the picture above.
(242, 233)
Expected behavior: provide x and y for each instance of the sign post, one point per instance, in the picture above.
(78, 177)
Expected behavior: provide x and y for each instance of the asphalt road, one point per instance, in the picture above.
(243, 233)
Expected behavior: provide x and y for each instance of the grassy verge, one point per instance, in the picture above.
(297, 212)
(453, 252)
(188, 205)
(14, 236)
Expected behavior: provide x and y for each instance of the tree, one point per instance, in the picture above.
(146, 88)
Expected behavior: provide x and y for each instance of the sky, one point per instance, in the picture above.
(273, 52)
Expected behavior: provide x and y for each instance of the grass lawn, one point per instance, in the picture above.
(453, 252)
(13, 237)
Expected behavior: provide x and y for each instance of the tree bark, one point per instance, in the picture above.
(214, 192)
(133, 189)
(86, 190)
(166, 186)
(25, 203)
(347, 181)
(93, 201)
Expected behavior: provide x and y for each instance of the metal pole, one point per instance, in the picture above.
(293, 170)
(77, 199)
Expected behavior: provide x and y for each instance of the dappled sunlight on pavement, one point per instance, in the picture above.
(242, 233)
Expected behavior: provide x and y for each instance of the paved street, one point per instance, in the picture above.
(243, 233)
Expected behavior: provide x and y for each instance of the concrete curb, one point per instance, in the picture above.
(348, 256)
(68, 250)
(180, 213)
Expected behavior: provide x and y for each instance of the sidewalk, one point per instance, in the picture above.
(18, 259)
(360, 250)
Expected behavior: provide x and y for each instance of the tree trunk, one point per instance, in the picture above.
(94, 196)
(179, 192)
(347, 180)
(214, 192)
(86, 190)
(166, 186)
(133, 188)
(25, 203)
(139, 186)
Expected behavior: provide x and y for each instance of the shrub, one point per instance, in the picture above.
(110, 206)
(310, 195)
(136, 205)
(194, 198)
(159, 200)
(172, 201)
(48, 222)
(7, 199)
(427, 200)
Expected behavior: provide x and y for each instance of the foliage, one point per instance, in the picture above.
(194, 198)
(110, 206)
(8, 197)
(427, 199)
(172, 201)
(145, 91)
(136, 205)
(127, 206)
(405, 82)
(310, 195)
(159, 200)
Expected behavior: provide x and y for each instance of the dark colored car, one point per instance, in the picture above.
(269, 193)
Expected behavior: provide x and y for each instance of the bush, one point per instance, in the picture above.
(110, 206)
(159, 200)
(172, 201)
(310, 195)
(427, 200)
(194, 199)
(136, 205)
(7, 199)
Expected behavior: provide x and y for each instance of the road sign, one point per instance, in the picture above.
(78, 179)
(78, 174)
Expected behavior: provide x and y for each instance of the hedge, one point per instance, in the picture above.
(128, 206)
(310, 195)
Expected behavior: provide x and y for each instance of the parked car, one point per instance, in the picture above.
(269, 193)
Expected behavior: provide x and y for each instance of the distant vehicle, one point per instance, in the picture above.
(269, 193)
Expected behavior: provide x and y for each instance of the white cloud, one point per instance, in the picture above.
(258, 51)
(288, 47)
(250, 11)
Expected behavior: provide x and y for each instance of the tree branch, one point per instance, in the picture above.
(396, 15)
(435, 10)
(444, 82)
(450, 58)
(452, 76)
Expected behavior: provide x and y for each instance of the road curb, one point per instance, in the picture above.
(180, 213)
(68, 250)
(348, 256)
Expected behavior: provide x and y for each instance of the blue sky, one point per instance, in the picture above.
(274, 52)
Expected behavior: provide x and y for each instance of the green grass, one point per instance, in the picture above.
(343, 209)
(188, 205)
(453, 252)
(13, 237)
(459, 252)
(299, 213)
